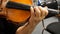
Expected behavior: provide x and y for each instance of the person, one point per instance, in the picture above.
(38, 13)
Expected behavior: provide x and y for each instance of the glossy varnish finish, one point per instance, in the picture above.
(19, 16)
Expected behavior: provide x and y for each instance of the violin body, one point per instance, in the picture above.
(15, 15)
(18, 15)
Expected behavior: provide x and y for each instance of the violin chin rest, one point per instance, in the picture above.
(54, 28)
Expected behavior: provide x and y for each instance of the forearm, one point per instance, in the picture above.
(27, 29)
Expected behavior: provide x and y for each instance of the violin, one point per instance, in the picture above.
(15, 15)
(18, 11)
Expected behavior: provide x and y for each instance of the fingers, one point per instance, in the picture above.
(32, 12)
(40, 11)
(37, 12)
(44, 11)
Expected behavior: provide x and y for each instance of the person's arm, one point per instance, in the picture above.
(37, 14)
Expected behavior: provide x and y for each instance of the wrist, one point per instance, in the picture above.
(20, 29)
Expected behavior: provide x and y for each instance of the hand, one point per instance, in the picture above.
(37, 14)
